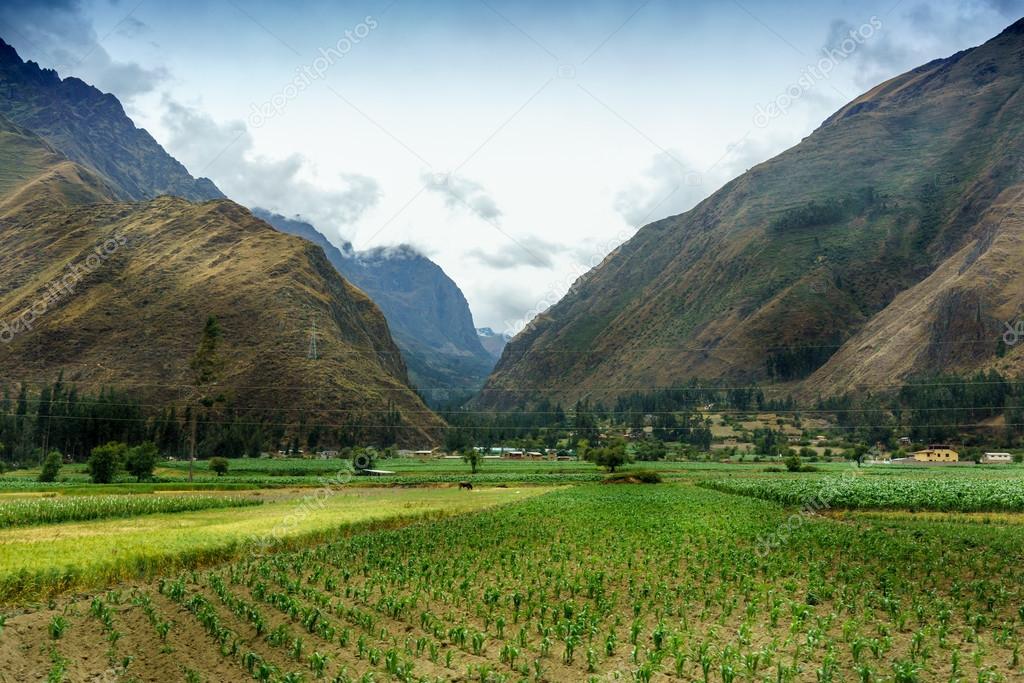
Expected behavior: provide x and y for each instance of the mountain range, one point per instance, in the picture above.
(109, 278)
(885, 245)
(91, 128)
(426, 311)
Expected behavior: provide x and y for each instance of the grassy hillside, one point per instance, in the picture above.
(121, 292)
(785, 266)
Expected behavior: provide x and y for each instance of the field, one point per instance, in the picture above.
(37, 561)
(725, 573)
(680, 590)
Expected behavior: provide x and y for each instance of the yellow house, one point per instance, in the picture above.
(937, 454)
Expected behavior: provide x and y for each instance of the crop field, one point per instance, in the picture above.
(588, 583)
(80, 508)
(41, 560)
(948, 494)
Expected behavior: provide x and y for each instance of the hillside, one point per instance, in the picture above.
(141, 279)
(428, 315)
(884, 244)
(92, 129)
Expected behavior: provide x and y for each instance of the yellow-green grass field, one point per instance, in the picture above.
(39, 561)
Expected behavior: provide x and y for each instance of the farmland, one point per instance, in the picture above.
(678, 591)
(951, 494)
(38, 561)
(79, 508)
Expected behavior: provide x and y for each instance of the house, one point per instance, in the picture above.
(996, 459)
(937, 453)
(515, 455)
(905, 441)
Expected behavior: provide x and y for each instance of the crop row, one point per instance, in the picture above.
(853, 491)
(80, 508)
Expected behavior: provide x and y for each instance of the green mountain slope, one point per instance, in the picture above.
(785, 267)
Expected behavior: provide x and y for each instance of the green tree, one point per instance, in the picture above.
(105, 461)
(219, 465)
(51, 466)
(140, 460)
(650, 449)
(610, 457)
(472, 457)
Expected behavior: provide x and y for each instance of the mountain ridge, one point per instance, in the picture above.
(769, 277)
(91, 128)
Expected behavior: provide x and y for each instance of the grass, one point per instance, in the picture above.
(40, 561)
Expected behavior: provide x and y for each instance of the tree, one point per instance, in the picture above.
(611, 456)
(793, 463)
(650, 449)
(219, 465)
(51, 466)
(140, 460)
(206, 365)
(105, 461)
(471, 457)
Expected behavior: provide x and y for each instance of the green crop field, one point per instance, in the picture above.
(602, 583)
(80, 508)
(949, 494)
(39, 560)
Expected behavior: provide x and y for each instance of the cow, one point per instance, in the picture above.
(466, 485)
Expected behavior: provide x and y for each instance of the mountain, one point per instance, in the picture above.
(428, 315)
(492, 342)
(92, 129)
(884, 245)
(115, 294)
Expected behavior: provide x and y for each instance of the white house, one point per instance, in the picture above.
(996, 459)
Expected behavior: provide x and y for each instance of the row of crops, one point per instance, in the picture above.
(80, 508)
(948, 494)
(593, 583)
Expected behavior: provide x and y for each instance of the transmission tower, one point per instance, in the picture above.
(313, 353)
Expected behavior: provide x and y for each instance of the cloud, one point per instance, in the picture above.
(57, 34)
(666, 187)
(921, 32)
(225, 153)
(462, 193)
(671, 185)
(131, 27)
(521, 251)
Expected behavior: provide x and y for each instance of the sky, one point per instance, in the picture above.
(514, 143)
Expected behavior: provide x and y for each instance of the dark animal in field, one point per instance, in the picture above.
(466, 485)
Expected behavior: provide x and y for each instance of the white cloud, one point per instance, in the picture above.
(225, 153)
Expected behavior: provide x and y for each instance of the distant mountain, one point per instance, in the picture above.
(492, 342)
(888, 243)
(428, 315)
(92, 129)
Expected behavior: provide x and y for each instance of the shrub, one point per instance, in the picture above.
(642, 477)
(105, 461)
(141, 460)
(51, 466)
(219, 465)
(793, 463)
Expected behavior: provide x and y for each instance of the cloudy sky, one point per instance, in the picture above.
(515, 143)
